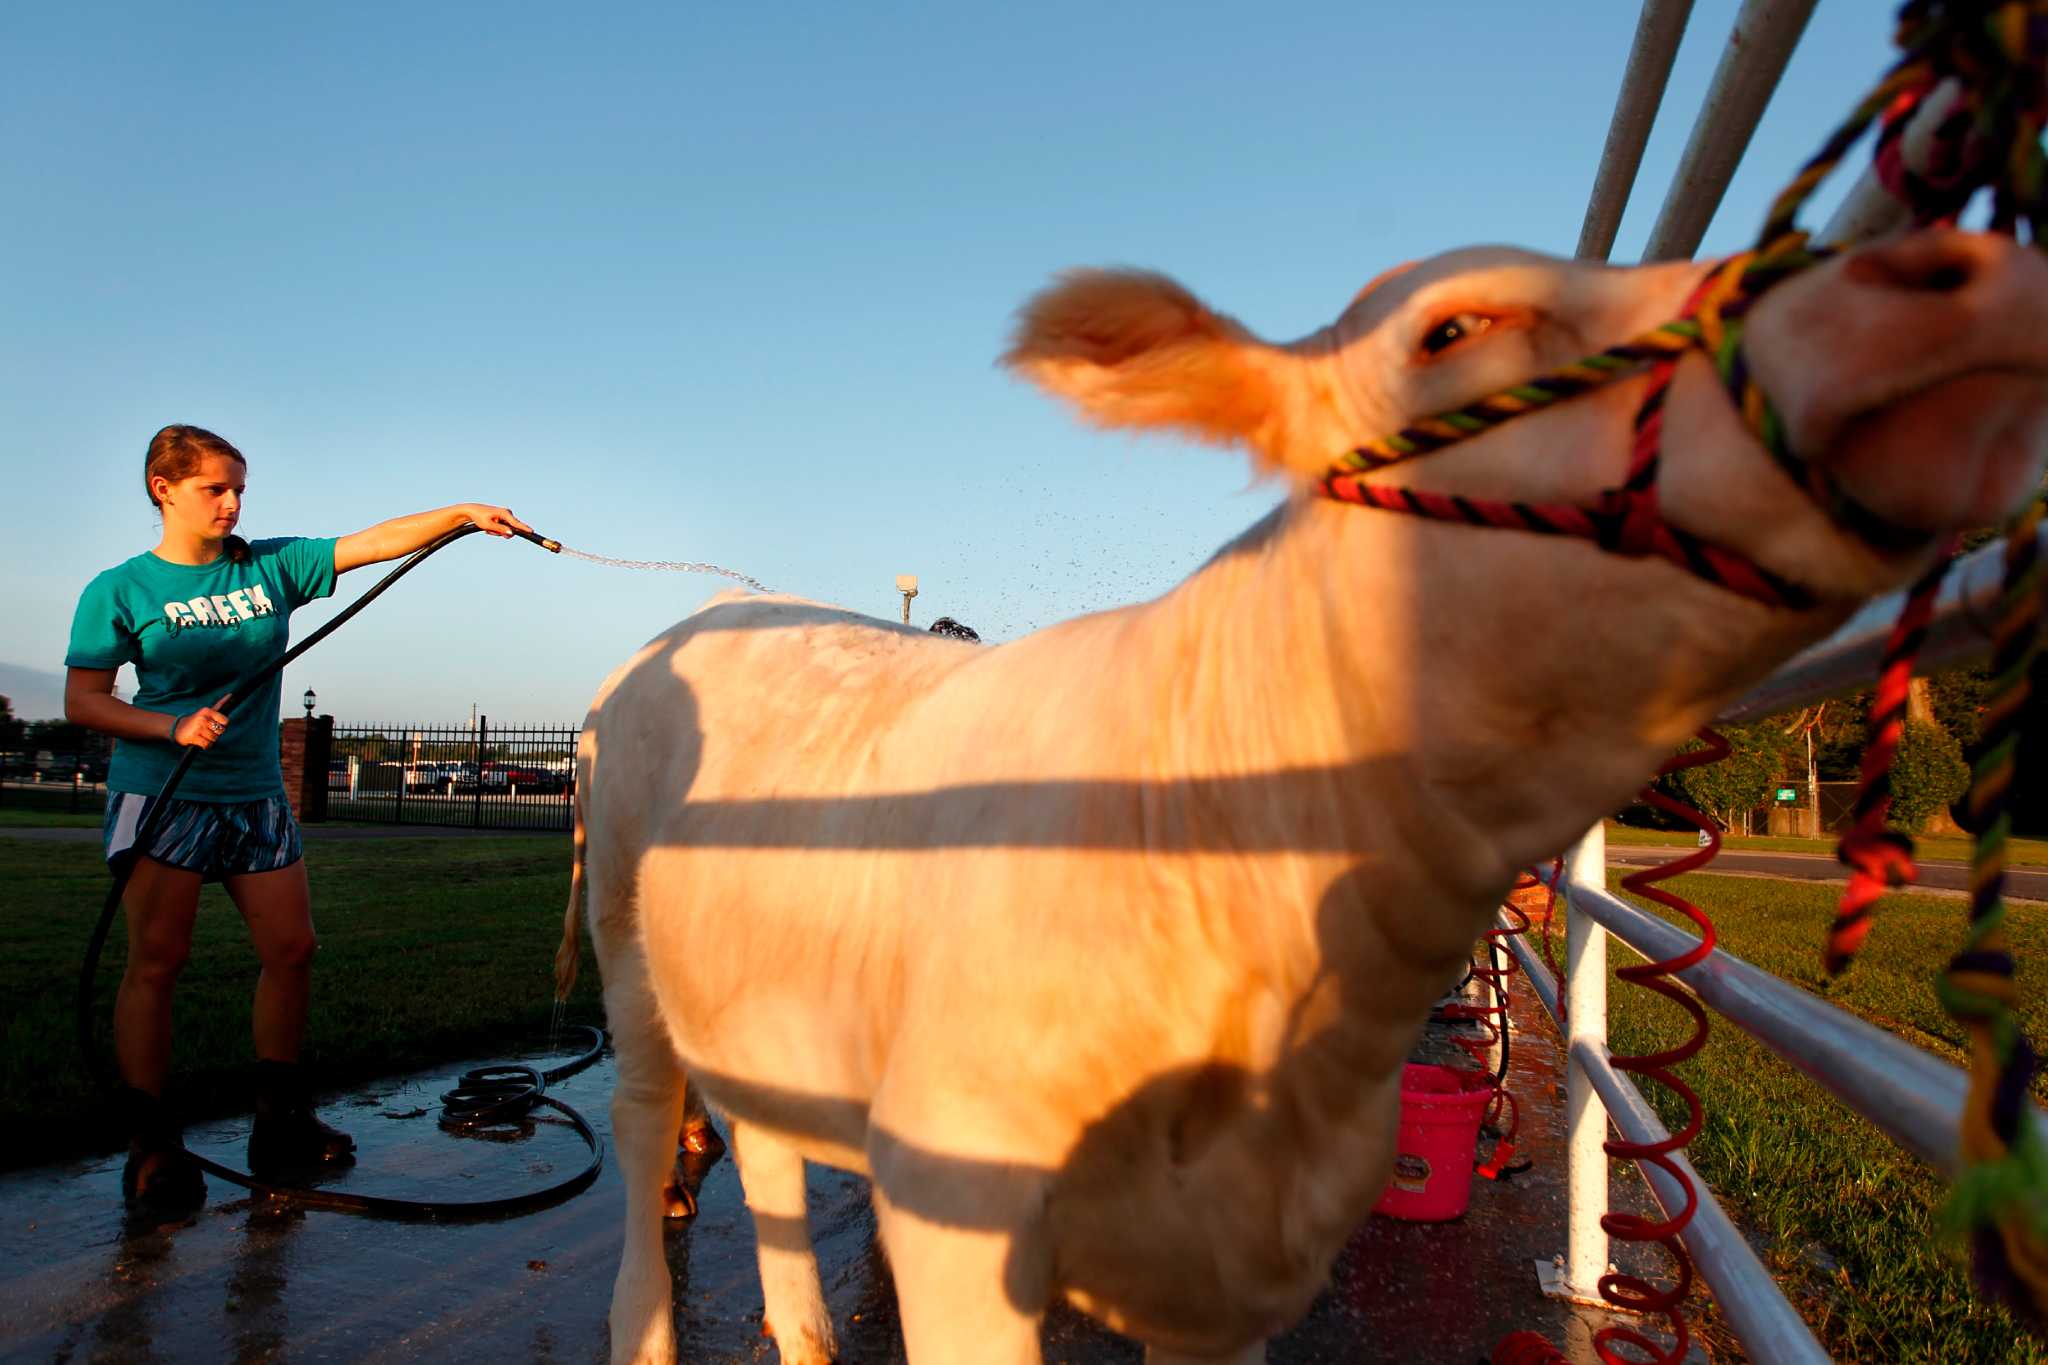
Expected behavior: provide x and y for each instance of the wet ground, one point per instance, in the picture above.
(250, 1280)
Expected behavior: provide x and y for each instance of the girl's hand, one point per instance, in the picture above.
(201, 729)
(497, 521)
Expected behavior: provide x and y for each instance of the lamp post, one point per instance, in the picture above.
(309, 699)
(906, 583)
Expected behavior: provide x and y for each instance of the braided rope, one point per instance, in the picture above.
(1549, 960)
(1626, 520)
(1880, 858)
(2002, 1195)
(1432, 434)
(1998, 52)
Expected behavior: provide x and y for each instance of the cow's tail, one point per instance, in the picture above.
(566, 956)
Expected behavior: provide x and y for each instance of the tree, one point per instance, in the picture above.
(10, 728)
(1838, 742)
(63, 737)
(1957, 700)
(1928, 775)
(1740, 782)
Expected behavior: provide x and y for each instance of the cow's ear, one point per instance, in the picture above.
(1133, 349)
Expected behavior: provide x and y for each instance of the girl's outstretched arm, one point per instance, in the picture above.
(403, 535)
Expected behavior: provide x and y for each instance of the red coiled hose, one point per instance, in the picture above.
(1493, 1019)
(1630, 1292)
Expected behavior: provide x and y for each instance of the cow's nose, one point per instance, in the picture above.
(1931, 261)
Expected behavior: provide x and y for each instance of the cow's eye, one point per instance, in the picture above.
(1452, 330)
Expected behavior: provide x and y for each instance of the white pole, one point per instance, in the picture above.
(1758, 48)
(1585, 1117)
(1659, 29)
(1869, 211)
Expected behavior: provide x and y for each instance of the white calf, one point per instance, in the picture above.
(1100, 951)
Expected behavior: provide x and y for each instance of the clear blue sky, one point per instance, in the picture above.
(726, 282)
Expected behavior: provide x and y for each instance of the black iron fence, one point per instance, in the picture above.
(53, 780)
(485, 776)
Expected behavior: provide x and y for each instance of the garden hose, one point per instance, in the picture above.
(510, 1094)
(485, 1097)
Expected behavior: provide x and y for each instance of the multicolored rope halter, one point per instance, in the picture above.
(1627, 520)
(1996, 53)
(1624, 520)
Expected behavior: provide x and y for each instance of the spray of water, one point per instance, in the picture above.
(669, 566)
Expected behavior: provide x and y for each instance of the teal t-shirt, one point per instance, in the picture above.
(191, 630)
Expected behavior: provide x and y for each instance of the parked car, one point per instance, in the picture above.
(428, 777)
(527, 780)
(61, 767)
(337, 775)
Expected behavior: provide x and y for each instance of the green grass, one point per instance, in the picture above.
(2019, 852)
(1847, 1222)
(23, 805)
(15, 817)
(432, 950)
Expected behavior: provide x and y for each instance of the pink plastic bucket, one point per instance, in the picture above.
(1441, 1108)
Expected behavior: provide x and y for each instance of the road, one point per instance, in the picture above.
(2021, 883)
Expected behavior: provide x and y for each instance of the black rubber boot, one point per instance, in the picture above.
(160, 1176)
(288, 1141)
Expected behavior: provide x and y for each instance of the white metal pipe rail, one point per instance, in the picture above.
(1910, 1095)
(1960, 630)
(1658, 32)
(1870, 209)
(1913, 1096)
(1758, 49)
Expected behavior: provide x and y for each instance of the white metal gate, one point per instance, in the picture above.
(1914, 1097)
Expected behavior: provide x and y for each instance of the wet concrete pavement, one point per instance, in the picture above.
(250, 1280)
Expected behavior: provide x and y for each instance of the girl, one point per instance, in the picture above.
(199, 611)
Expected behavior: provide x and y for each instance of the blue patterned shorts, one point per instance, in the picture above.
(216, 839)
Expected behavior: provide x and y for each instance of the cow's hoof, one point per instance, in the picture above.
(678, 1201)
(806, 1350)
(701, 1148)
(701, 1139)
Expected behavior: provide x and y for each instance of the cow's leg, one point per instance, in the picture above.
(772, 1172)
(698, 1149)
(1254, 1354)
(647, 1104)
(972, 1289)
